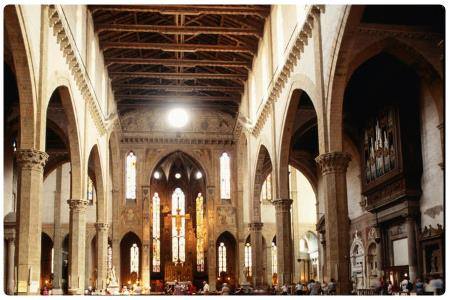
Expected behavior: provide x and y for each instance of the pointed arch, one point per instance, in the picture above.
(344, 65)
(15, 35)
(95, 165)
(263, 168)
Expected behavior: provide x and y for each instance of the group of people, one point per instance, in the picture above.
(432, 286)
(311, 287)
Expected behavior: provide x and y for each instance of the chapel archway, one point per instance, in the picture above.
(226, 250)
(46, 261)
(178, 218)
(130, 259)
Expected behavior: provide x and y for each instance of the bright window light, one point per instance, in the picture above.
(157, 175)
(177, 175)
(198, 175)
(178, 117)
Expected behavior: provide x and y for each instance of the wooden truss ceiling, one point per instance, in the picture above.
(159, 54)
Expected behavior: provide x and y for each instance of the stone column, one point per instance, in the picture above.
(284, 240)
(334, 167)
(10, 248)
(77, 245)
(102, 254)
(31, 168)
(257, 254)
(411, 232)
(211, 254)
(57, 238)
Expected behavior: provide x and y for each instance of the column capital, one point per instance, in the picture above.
(333, 162)
(255, 226)
(10, 236)
(78, 204)
(101, 226)
(31, 158)
(282, 205)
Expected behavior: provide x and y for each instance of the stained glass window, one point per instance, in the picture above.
(156, 234)
(222, 258)
(266, 193)
(274, 258)
(248, 259)
(178, 226)
(200, 233)
(225, 176)
(90, 191)
(131, 176)
(134, 259)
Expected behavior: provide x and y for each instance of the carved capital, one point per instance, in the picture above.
(255, 226)
(31, 159)
(78, 205)
(102, 226)
(333, 162)
(282, 205)
(10, 236)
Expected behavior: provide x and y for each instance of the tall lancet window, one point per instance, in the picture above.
(248, 259)
(266, 193)
(134, 259)
(90, 191)
(131, 176)
(156, 234)
(178, 226)
(222, 258)
(200, 233)
(225, 188)
(274, 258)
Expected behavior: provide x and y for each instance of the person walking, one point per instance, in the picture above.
(299, 288)
(332, 287)
(419, 287)
(205, 290)
(225, 289)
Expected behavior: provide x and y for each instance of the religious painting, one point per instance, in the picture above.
(380, 152)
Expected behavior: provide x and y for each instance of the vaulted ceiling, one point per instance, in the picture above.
(198, 55)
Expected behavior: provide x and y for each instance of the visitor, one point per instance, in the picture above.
(191, 289)
(332, 287)
(390, 288)
(437, 284)
(225, 289)
(299, 288)
(405, 285)
(205, 290)
(315, 288)
(284, 289)
(310, 286)
(45, 291)
(324, 288)
(419, 287)
(177, 289)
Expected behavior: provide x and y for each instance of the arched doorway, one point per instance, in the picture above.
(46, 261)
(178, 210)
(226, 260)
(130, 259)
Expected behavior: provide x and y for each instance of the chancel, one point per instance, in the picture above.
(223, 149)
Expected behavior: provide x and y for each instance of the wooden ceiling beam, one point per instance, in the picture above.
(167, 29)
(179, 88)
(176, 47)
(177, 76)
(261, 12)
(176, 98)
(178, 63)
